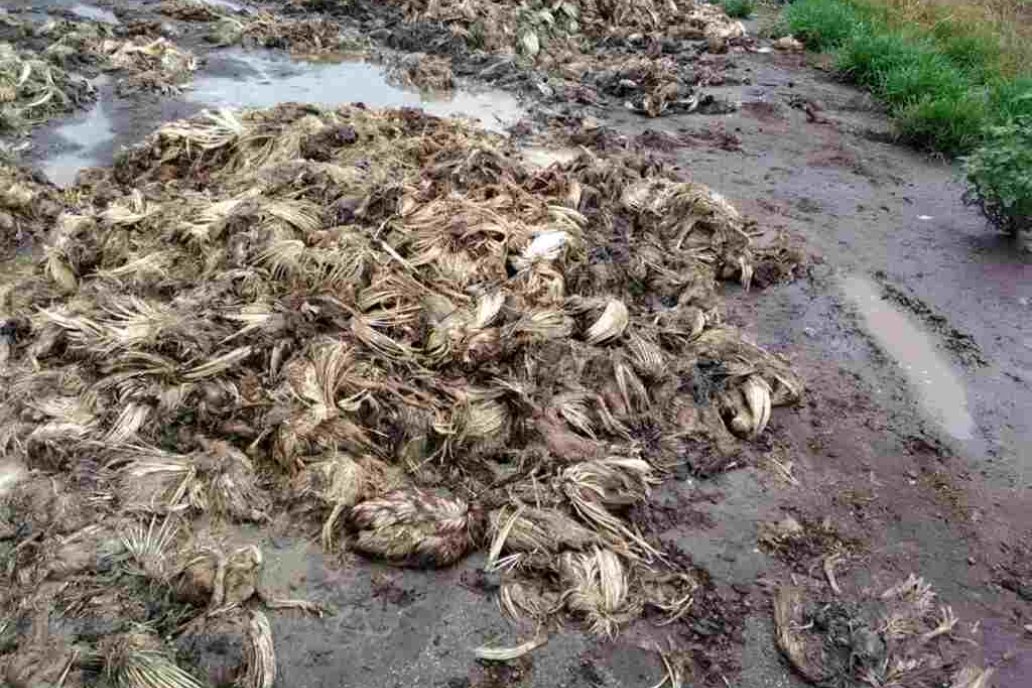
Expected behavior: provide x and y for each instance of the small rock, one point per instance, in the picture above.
(788, 43)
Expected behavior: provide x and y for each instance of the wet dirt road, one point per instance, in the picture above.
(910, 328)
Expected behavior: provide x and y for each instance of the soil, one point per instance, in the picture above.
(913, 443)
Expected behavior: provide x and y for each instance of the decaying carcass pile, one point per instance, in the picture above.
(384, 320)
(150, 64)
(28, 207)
(191, 10)
(33, 90)
(642, 50)
(305, 37)
(141, 61)
(880, 638)
(542, 28)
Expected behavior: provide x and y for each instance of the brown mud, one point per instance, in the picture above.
(880, 452)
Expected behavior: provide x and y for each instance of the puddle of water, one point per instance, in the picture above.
(494, 110)
(228, 5)
(261, 80)
(272, 79)
(82, 137)
(539, 156)
(95, 13)
(935, 384)
(286, 566)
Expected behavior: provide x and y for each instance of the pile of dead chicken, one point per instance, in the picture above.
(32, 89)
(29, 205)
(640, 51)
(531, 28)
(38, 85)
(380, 319)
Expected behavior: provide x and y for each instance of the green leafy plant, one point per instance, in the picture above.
(738, 9)
(1000, 175)
(537, 22)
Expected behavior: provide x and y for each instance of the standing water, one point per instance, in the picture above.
(264, 79)
(237, 78)
(933, 380)
(83, 139)
(95, 13)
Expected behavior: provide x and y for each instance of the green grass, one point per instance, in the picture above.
(969, 53)
(822, 25)
(942, 86)
(1011, 99)
(946, 84)
(738, 9)
(952, 125)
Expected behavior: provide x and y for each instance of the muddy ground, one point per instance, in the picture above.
(909, 325)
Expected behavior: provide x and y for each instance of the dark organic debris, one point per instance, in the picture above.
(425, 71)
(804, 545)
(190, 10)
(640, 52)
(33, 90)
(872, 639)
(28, 207)
(306, 37)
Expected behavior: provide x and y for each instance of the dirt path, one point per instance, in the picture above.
(915, 438)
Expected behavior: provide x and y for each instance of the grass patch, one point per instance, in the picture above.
(994, 36)
(950, 74)
(1012, 99)
(952, 125)
(738, 9)
(822, 25)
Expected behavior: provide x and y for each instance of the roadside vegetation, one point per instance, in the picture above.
(957, 78)
(738, 9)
